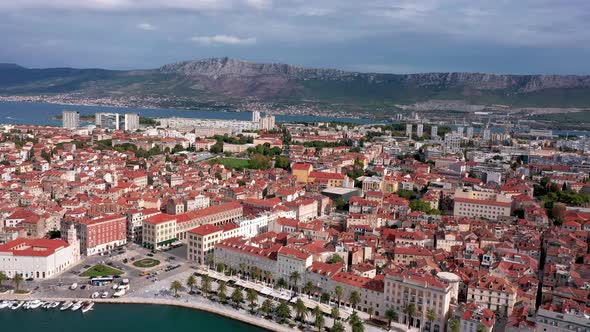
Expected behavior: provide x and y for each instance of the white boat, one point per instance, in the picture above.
(5, 304)
(46, 305)
(54, 305)
(76, 306)
(87, 307)
(66, 306)
(17, 305)
(35, 304)
(74, 286)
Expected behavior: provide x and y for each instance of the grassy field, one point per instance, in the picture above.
(146, 263)
(232, 162)
(100, 270)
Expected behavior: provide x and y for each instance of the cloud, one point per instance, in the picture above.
(223, 40)
(146, 27)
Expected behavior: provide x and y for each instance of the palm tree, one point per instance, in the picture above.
(281, 283)
(410, 311)
(191, 281)
(294, 278)
(210, 259)
(175, 286)
(17, 280)
(319, 318)
(337, 327)
(220, 267)
(356, 323)
(391, 315)
(3, 278)
(335, 313)
(237, 296)
(338, 291)
(431, 317)
(283, 311)
(205, 284)
(454, 325)
(222, 291)
(300, 310)
(307, 288)
(252, 297)
(354, 298)
(325, 298)
(267, 307)
(371, 312)
(268, 276)
(243, 269)
(256, 273)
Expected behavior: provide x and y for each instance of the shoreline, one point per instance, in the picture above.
(230, 313)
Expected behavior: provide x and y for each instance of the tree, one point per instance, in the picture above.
(391, 316)
(356, 323)
(243, 269)
(17, 280)
(267, 307)
(410, 311)
(294, 278)
(268, 276)
(282, 162)
(3, 278)
(454, 325)
(371, 312)
(175, 286)
(338, 292)
(259, 161)
(283, 312)
(281, 283)
(205, 284)
(191, 282)
(481, 328)
(335, 259)
(325, 298)
(430, 316)
(354, 298)
(300, 310)
(220, 267)
(337, 327)
(319, 318)
(252, 297)
(237, 296)
(307, 288)
(222, 291)
(335, 313)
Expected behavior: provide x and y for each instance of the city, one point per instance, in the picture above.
(402, 226)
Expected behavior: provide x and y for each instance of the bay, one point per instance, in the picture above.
(120, 317)
(43, 114)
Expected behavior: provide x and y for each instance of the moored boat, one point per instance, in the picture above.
(67, 305)
(17, 305)
(87, 306)
(76, 306)
(54, 305)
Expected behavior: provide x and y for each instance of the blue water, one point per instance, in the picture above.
(119, 318)
(44, 114)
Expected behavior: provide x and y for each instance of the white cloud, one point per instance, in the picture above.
(146, 27)
(223, 40)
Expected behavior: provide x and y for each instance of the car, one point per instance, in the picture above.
(125, 261)
(29, 279)
(150, 255)
(110, 263)
(83, 287)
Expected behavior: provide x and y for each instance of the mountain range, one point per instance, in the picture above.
(234, 81)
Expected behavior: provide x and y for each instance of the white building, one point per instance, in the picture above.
(131, 121)
(409, 130)
(256, 116)
(434, 131)
(71, 119)
(252, 226)
(469, 132)
(39, 258)
(419, 130)
(111, 121)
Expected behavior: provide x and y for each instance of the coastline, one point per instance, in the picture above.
(225, 312)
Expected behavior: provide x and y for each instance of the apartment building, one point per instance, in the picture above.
(135, 220)
(237, 252)
(484, 204)
(202, 240)
(159, 231)
(495, 293)
(291, 260)
(425, 291)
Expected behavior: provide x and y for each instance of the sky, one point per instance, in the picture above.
(393, 36)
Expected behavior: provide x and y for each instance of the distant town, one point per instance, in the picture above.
(406, 225)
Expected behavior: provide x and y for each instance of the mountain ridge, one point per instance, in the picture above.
(232, 79)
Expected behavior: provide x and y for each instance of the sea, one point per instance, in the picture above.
(45, 114)
(120, 318)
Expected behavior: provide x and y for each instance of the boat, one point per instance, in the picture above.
(46, 305)
(35, 304)
(17, 305)
(54, 305)
(87, 306)
(67, 305)
(74, 286)
(76, 306)
(5, 304)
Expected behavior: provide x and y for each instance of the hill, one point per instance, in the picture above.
(230, 81)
